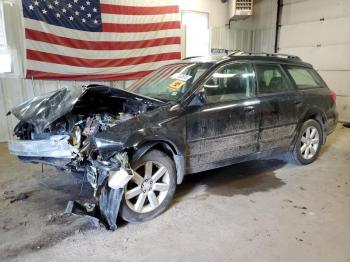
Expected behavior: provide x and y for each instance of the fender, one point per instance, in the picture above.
(178, 157)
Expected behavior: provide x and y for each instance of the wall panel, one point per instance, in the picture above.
(318, 32)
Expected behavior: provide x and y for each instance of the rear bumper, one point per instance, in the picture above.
(54, 147)
(332, 122)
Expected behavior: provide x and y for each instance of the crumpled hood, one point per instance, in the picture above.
(43, 110)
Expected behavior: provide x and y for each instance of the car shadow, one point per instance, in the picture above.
(239, 179)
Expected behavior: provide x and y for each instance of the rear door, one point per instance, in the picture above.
(226, 126)
(280, 106)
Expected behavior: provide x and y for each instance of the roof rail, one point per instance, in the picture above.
(280, 55)
(190, 57)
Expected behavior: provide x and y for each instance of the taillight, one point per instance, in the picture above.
(333, 95)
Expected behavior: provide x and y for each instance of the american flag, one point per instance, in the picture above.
(99, 39)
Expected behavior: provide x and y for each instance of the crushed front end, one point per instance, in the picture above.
(59, 129)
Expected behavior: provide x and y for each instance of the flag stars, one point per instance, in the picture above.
(71, 13)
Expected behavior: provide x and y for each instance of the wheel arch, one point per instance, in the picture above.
(315, 114)
(168, 148)
(319, 116)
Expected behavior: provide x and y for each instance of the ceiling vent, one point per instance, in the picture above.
(240, 9)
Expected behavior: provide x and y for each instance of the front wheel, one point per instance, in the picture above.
(151, 189)
(308, 144)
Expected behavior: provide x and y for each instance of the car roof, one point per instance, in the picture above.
(243, 56)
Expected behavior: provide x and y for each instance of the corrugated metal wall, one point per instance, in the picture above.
(318, 31)
(255, 33)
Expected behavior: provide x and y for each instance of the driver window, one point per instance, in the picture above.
(231, 82)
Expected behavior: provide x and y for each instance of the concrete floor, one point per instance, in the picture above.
(256, 211)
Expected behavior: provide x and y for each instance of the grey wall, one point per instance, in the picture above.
(316, 30)
(255, 33)
(319, 32)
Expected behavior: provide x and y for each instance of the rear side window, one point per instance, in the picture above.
(271, 79)
(304, 78)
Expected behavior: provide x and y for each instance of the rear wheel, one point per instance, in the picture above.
(308, 144)
(151, 189)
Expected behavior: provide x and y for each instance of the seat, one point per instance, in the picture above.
(276, 84)
(234, 89)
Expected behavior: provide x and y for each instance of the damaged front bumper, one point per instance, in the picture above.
(53, 147)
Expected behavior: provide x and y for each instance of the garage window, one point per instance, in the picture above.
(304, 78)
(197, 33)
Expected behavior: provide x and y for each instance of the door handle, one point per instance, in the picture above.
(249, 109)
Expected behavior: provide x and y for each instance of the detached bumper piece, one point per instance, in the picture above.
(109, 204)
(109, 178)
(54, 147)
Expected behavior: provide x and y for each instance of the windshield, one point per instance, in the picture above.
(170, 82)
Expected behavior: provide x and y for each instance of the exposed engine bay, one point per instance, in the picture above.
(58, 129)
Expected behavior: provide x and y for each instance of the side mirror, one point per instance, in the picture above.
(199, 99)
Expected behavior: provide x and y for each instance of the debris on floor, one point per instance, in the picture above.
(14, 198)
(106, 212)
(300, 207)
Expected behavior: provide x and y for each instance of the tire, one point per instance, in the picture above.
(299, 155)
(145, 188)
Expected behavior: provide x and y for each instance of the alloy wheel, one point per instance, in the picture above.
(148, 187)
(310, 142)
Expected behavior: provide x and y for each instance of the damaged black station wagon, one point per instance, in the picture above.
(135, 146)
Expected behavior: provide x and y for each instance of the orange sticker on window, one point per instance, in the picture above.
(177, 84)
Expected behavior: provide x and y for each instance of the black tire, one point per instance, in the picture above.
(295, 156)
(129, 214)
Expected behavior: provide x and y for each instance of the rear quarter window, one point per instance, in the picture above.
(305, 78)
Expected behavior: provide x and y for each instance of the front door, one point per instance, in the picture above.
(227, 125)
